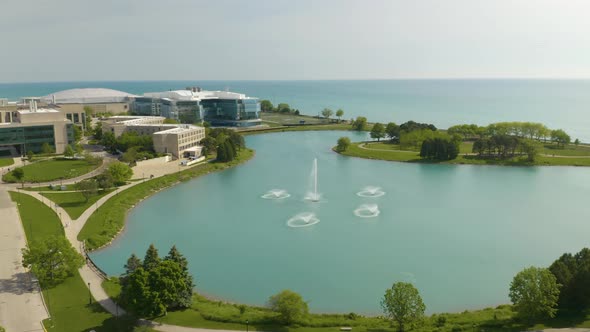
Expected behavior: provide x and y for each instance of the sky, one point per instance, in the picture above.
(72, 40)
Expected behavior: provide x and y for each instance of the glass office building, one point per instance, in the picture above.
(219, 108)
(32, 137)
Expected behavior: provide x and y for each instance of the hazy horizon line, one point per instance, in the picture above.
(318, 80)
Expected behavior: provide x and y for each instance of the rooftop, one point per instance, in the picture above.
(39, 110)
(177, 130)
(189, 95)
(87, 95)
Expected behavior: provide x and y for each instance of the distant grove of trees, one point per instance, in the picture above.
(521, 130)
(267, 106)
(497, 140)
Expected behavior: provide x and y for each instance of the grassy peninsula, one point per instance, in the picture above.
(571, 155)
(504, 143)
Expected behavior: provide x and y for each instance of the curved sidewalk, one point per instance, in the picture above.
(89, 275)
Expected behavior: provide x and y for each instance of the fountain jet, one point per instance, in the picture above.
(312, 194)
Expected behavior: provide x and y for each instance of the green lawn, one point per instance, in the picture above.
(291, 118)
(568, 150)
(74, 202)
(68, 302)
(39, 221)
(6, 162)
(53, 169)
(109, 219)
(206, 313)
(355, 151)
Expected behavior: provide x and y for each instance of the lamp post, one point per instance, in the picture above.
(247, 325)
(89, 295)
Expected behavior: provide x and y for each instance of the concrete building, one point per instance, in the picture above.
(30, 129)
(180, 140)
(193, 105)
(100, 100)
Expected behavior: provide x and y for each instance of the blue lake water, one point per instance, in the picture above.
(561, 104)
(460, 233)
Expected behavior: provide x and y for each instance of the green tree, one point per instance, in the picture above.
(209, 144)
(560, 137)
(30, 155)
(283, 108)
(185, 292)
(46, 148)
(77, 133)
(87, 188)
(69, 151)
(327, 113)
(402, 304)
(343, 144)
(222, 154)
(133, 263)
(52, 260)
(98, 131)
(138, 296)
(529, 147)
(105, 180)
(577, 142)
(109, 141)
(360, 123)
(339, 114)
(392, 131)
(19, 175)
(378, 131)
(534, 292)
(266, 106)
(119, 172)
(289, 305)
(440, 148)
(573, 273)
(130, 156)
(151, 259)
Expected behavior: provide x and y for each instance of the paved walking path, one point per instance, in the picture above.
(88, 274)
(21, 303)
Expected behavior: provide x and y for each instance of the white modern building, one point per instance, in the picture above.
(193, 105)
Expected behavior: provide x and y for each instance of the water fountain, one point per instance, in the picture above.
(367, 211)
(304, 219)
(276, 194)
(312, 194)
(371, 191)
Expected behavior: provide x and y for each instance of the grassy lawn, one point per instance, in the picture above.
(206, 313)
(355, 151)
(53, 169)
(68, 302)
(39, 221)
(290, 119)
(109, 219)
(568, 150)
(6, 162)
(74, 202)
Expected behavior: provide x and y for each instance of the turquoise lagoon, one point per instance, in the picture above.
(459, 233)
